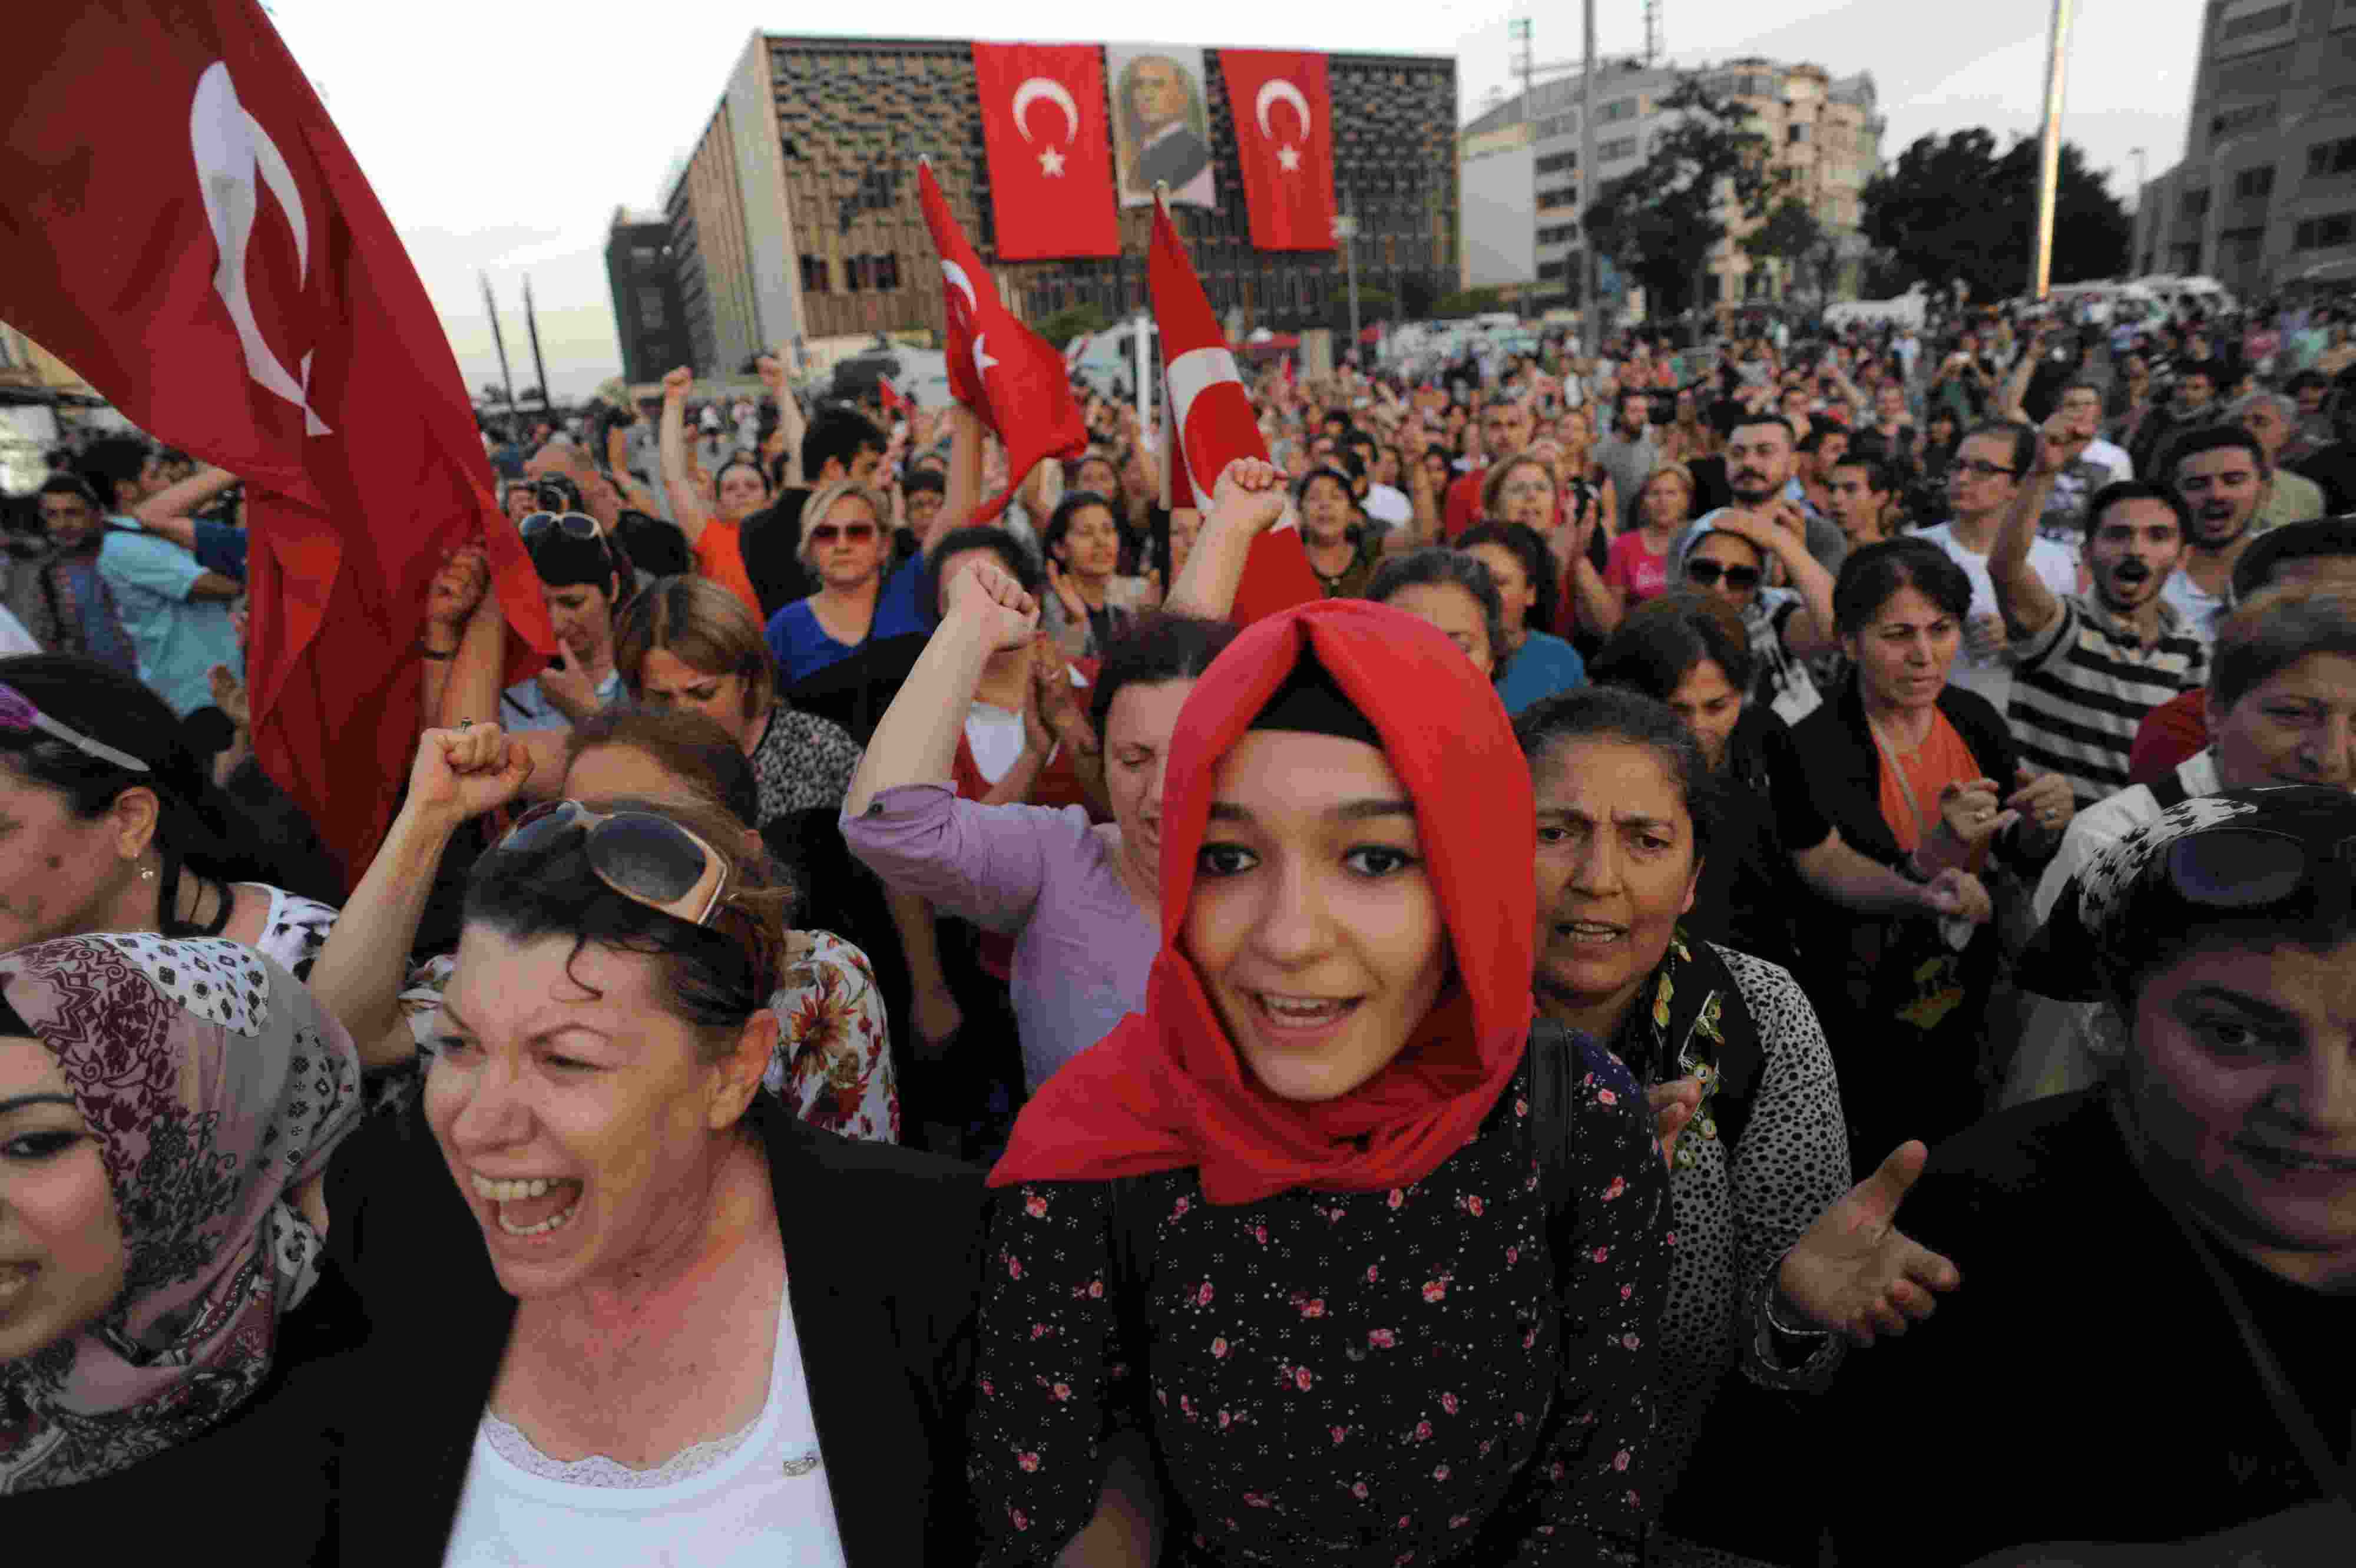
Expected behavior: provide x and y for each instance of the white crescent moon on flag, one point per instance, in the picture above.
(1037, 87)
(1275, 90)
(231, 150)
(963, 285)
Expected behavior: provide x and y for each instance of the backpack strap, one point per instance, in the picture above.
(1558, 1061)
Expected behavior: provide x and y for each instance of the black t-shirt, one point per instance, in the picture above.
(770, 540)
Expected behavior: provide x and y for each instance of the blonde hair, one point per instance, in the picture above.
(705, 628)
(823, 502)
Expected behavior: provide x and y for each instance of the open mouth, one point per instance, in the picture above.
(1281, 1014)
(1589, 933)
(529, 1205)
(2132, 573)
(2291, 1162)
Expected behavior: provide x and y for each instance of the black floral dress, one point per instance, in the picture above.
(1337, 1377)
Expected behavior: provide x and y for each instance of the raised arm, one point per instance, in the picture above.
(787, 436)
(450, 602)
(167, 511)
(687, 507)
(2028, 606)
(1248, 503)
(1779, 530)
(968, 437)
(2016, 381)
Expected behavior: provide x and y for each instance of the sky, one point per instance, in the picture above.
(501, 135)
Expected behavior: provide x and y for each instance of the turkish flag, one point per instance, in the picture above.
(889, 395)
(1043, 124)
(1212, 420)
(1284, 141)
(209, 255)
(999, 368)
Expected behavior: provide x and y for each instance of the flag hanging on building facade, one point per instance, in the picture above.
(1042, 126)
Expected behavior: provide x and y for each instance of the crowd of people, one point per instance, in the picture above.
(915, 1038)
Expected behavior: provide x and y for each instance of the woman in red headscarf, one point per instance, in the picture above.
(1290, 1229)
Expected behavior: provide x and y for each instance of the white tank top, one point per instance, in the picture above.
(764, 1500)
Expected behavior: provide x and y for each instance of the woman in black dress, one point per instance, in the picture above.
(1290, 1233)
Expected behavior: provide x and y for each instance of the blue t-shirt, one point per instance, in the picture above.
(220, 547)
(101, 637)
(178, 639)
(524, 705)
(802, 648)
(1543, 666)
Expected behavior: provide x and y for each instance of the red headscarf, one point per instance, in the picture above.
(1167, 1090)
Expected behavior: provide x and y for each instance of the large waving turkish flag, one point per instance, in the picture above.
(1284, 141)
(1043, 123)
(206, 252)
(999, 368)
(1212, 421)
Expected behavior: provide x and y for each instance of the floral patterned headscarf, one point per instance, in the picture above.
(215, 1087)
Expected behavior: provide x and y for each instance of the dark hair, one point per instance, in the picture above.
(688, 746)
(1436, 566)
(2273, 632)
(2210, 438)
(652, 545)
(2119, 490)
(69, 485)
(1537, 565)
(1332, 471)
(1819, 432)
(1155, 648)
(1659, 642)
(196, 826)
(1871, 574)
(2021, 438)
(2304, 380)
(1616, 714)
(838, 435)
(1878, 478)
(714, 980)
(2209, 368)
(927, 479)
(740, 461)
(2292, 541)
(1741, 421)
(1012, 553)
(111, 460)
(1067, 513)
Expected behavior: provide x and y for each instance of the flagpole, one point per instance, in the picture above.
(507, 379)
(2049, 163)
(539, 366)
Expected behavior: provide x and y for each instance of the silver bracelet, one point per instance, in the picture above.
(1780, 1327)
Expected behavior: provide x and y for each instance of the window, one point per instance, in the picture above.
(1618, 109)
(2242, 117)
(2323, 233)
(2253, 183)
(2332, 157)
(2251, 24)
(1625, 147)
(651, 307)
(1799, 133)
(2195, 204)
(1559, 162)
(883, 271)
(814, 274)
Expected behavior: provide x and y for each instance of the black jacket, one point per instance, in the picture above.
(885, 1247)
(1844, 768)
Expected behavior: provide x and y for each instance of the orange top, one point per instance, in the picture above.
(719, 557)
(1940, 760)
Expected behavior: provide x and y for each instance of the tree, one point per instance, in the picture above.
(1085, 319)
(1660, 223)
(1791, 235)
(1957, 208)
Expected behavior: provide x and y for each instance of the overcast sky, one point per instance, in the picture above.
(500, 134)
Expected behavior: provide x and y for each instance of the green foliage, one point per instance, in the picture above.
(1469, 302)
(1957, 208)
(1082, 321)
(1660, 223)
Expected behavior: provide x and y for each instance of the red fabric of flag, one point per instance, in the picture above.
(999, 368)
(207, 253)
(889, 395)
(1284, 144)
(1043, 127)
(1211, 417)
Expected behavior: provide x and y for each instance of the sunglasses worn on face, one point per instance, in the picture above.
(646, 858)
(19, 714)
(849, 532)
(1707, 573)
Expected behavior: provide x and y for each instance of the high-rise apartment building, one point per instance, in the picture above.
(2264, 198)
(649, 316)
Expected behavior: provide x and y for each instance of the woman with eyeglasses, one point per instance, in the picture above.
(845, 547)
(651, 1297)
(1522, 490)
(1921, 776)
(2209, 1411)
(1330, 1238)
(109, 823)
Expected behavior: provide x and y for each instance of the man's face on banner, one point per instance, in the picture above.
(1159, 92)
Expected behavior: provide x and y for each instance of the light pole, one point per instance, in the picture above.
(1345, 230)
(1590, 321)
(2040, 279)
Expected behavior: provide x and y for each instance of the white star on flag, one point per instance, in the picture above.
(1051, 163)
(1290, 158)
(981, 359)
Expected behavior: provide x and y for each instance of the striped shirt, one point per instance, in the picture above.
(2082, 686)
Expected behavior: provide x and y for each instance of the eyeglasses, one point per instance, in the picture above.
(1707, 573)
(573, 524)
(1980, 470)
(19, 714)
(646, 858)
(849, 532)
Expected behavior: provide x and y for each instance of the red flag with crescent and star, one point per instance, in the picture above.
(999, 368)
(209, 256)
(1284, 144)
(1210, 414)
(1050, 146)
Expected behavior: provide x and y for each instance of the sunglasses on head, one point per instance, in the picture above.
(575, 524)
(19, 714)
(849, 532)
(1708, 572)
(2256, 870)
(645, 857)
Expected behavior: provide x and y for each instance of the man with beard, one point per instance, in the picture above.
(2220, 472)
(1991, 469)
(2087, 667)
(68, 607)
(1627, 451)
(1761, 459)
(1505, 430)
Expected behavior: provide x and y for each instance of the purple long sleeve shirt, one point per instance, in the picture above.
(1082, 947)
